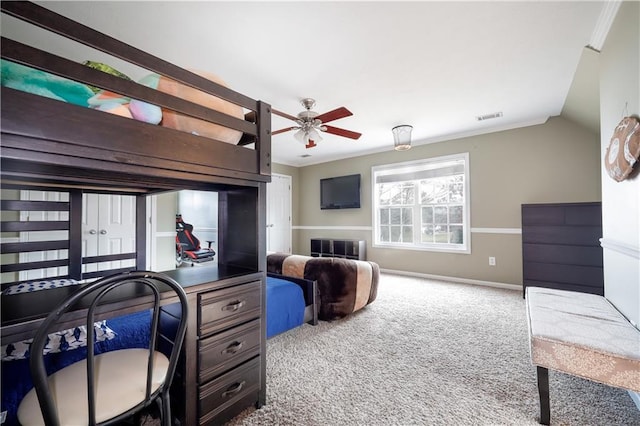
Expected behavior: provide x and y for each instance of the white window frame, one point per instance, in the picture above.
(464, 248)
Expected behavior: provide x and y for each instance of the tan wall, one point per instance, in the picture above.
(554, 162)
(620, 94)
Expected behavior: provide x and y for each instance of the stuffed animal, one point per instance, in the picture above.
(42, 83)
(123, 106)
(193, 125)
(132, 108)
(38, 82)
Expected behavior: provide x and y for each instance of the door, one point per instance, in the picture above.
(108, 227)
(279, 214)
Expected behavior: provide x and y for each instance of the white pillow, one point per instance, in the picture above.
(60, 341)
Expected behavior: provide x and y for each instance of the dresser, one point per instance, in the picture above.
(221, 372)
(561, 246)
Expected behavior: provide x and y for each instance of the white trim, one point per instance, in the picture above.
(635, 397)
(603, 25)
(335, 228)
(392, 168)
(496, 231)
(164, 234)
(516, 231)
(151, 208)
(206, 229)
(505, 286)
(620, 247)
(310, 161)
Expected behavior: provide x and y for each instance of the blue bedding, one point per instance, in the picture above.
(132, 331)
(285, 306)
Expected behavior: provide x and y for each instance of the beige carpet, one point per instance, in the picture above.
(424, 353)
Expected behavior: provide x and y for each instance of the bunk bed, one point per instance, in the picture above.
(52, 145)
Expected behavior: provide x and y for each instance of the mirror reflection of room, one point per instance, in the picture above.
(198, 210)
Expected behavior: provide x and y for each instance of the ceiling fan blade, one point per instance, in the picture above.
(343, 132)
(337, 113)
(282, 130)
(284, 114)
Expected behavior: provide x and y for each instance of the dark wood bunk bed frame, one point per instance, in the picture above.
(51, 145)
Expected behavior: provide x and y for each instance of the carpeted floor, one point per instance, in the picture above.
(424, 353)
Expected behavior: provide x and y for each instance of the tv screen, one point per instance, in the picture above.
(342, 192)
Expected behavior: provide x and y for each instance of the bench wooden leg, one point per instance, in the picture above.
(543, 391)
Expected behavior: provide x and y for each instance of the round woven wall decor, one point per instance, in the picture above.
(624, 149)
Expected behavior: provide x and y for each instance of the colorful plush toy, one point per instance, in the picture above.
(193, 125)
(42, 83)
(115, 103)
(45, 84)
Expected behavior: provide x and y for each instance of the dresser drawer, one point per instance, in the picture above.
(222, 309)
(222, 393)
(224, 351)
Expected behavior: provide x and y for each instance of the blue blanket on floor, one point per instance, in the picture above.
(285, 306)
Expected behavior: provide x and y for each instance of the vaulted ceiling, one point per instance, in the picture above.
(434, 65)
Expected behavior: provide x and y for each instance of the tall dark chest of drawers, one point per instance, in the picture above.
(561, 246)
(222, 368)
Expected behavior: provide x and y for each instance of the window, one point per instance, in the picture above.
(423, 205)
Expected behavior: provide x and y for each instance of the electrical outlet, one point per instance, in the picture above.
(492, 261)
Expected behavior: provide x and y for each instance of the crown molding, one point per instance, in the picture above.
(605, 20)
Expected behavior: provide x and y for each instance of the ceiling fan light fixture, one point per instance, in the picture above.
(310, 124)
(300, 136)
(314, 135)
(402, 137)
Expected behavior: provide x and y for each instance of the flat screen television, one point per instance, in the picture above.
(341, 192)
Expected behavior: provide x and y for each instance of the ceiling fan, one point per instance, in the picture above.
(310, 123)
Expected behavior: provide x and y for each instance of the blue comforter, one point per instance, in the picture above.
(132, 331)
(285, 306)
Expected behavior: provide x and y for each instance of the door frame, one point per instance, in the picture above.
(289, 179)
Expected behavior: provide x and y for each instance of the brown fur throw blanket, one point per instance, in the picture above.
(345, 285)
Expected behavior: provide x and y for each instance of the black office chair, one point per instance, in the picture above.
(122, 382)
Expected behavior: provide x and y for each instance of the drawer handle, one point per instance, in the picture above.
(235, 388)
(232, 348)
(234, 306)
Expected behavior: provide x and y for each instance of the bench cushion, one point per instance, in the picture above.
(583, 335)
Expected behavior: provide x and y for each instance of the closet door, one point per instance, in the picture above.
(279, 214)
(108, 227)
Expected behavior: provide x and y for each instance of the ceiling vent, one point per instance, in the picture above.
(489, 116)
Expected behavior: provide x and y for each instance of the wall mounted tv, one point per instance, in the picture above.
(341, 192)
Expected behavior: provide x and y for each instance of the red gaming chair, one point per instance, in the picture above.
(188, 248)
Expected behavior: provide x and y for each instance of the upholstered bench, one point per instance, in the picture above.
(344, 285)
(583, 335)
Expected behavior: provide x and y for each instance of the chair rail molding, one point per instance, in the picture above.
(620, 247)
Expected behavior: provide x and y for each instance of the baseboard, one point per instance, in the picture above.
(506, 286)
(635, 396)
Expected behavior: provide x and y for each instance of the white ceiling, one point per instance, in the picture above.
(433, 65)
